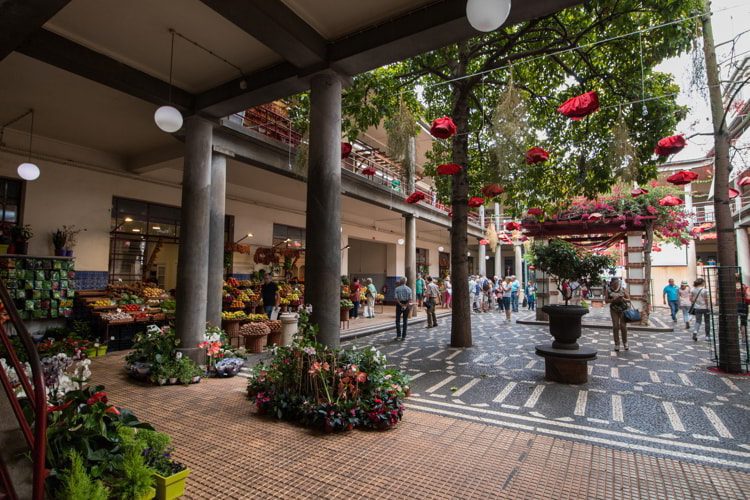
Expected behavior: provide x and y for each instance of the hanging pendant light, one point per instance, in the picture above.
(487, 15)
(168, 118)
(28, 170)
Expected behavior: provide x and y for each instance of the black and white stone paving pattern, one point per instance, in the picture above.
(659, 397)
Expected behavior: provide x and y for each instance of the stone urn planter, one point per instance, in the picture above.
(274, 334)
(565, 325)
(255, 335)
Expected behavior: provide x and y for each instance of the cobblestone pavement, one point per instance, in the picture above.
(659, 397)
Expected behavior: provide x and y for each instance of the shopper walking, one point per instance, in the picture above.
(699, 305)
(269, 292)
(515, 291)
(370, 293)
(530, 292)
(671, 296)
(431, 299)
(448, 292)
(354, 295)
(507, 289)
(617, 298)
(685, 303)
(403, 303)
(420, 290)
(473, 293)
(743, 304)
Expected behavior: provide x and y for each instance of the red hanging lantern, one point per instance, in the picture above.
(635, 193)
(476, 201)
(579, 107)
(536, 155)
(512, 226)
(492, 190)
(369, 171)
(670, 145)
(536, 212)
(670, 201)
(346, 150)
(682, 177)
(745, 181)
(443, 128)
(733, 193)
(448, 169)
(415, 197)
(484, 242)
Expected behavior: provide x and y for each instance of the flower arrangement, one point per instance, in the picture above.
(328, 389)
(155, 358)
(346, 304)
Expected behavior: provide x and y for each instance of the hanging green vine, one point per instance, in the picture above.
(510, 124)
(401, 127)
(623, 155)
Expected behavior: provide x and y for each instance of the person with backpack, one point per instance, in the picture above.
(699, 307)
(530, 292)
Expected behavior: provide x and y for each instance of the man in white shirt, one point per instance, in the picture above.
(432, 296)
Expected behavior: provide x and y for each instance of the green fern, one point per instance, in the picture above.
(78, 485)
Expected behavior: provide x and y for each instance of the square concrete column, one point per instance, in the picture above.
(217, 213)
(636, 271)
(482, 254)
(323, 222)
(518, 260)
(192, 265)
(410, 225)
(498, 251)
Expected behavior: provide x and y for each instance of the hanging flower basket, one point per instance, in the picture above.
(536, 155)
(579, 107)
(369, 171)
(346, 150)
(682, 177)
(415, 197)
(448, 169)
(670, 145)
(476, 201)
(745, 181)
(733, 193)
(492, 190)
(670, 201)
(635, 193)
(443, 128)
(536, 212)
(512, 226)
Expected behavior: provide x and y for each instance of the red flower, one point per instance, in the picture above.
(638, 192)
(443, 128)
(476, 201)
(484, 242)
(682, 177)
(579, 107)
(448, 169)
(595, 216)
(536, 212)
(113, 410)
(370, 171)
(733, 193)
(492, 190)
(415, 197)
(512, 226)
(745, 181)
(670, 145)
(97, 397)
(61, 407)
(346, 150)
(536, 155)
(670, 201)
(652, 210)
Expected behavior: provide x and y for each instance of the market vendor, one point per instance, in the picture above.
(269, 292)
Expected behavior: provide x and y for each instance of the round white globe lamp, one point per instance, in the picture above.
(401, 241)
(28, 171)
(487, 15)
(168, 119)
(440, 249)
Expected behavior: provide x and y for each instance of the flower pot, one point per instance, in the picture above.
(91, 352)
(274, 338)
(172, 380)
(168, 488)
(68, 253)
(21, 248)
(59, 252)
(255, 343)
(101, 350)
(151, 493)
(345, 315)
(3, 249)
(195, 379)
(565, 325)
(162, 381)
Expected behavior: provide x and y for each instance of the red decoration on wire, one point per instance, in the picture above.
(448, 169)
(670, 201)
(682, 177)
(415, 197)
(635, 193)
(492, 190)
(536, 212)
(369, 171)
(346, 150)
(476, 201)
(443, 128)
(733, 193)
(745, 181)
(536, 155)
(484, 242)
(579, 107)
(512, 226)
(670, 145)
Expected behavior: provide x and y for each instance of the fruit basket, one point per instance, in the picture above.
(255, 334)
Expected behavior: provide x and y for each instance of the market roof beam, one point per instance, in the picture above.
(19, 19)
(58, 51)
(277, 27)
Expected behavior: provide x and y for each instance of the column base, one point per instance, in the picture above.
(196, 354)
(566, 367)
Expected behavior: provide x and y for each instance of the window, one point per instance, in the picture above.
(423, 261)
(288, 234)
(11, 197)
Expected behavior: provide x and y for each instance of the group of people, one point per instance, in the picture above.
(362, 293)
(445, 290)
(428, 295)
(499, 294)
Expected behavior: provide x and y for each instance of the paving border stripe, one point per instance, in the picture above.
(542, 421)
(364, 332)
(600, 326)
(591, 439)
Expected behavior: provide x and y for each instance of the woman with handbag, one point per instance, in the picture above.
(685, 303)
(699, 307)
(617, 298)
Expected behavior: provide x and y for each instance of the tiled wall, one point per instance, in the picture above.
(91, 280)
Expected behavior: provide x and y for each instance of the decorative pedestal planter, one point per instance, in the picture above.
(274, 335)
(169, 488)
(255, 334)
(564, 360)
(232, 327)
(288, 328)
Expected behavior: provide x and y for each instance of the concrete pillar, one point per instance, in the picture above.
(323, 221)
(217, 211)
(636, 271)
(482, 248)
(498, 251)
(192, 264)
(743, 254)
(410, 256)
(518, 260)
(692, 271)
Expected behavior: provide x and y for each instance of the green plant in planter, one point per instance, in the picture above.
(346, 304)
(566, 264)
(71, 236)
(21, 234)
(78, 485)
(59, 239)
(186, 370)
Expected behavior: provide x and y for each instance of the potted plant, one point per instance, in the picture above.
(101, 348)
(567, 264)
(59, 239)
(21, 236)
(346, 306)
(255, 334)
(71, 237)
(169, 474)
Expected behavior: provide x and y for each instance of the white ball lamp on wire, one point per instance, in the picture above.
(487, 15)
(27, 170)
(168, 118)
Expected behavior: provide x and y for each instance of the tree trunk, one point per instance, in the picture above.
(461, 312)
(729, 347)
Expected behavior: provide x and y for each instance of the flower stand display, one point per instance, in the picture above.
(255, 335)
(274, 335)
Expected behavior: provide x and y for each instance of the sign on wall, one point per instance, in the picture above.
(670, 255)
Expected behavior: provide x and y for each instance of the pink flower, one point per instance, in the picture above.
(652, 210)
